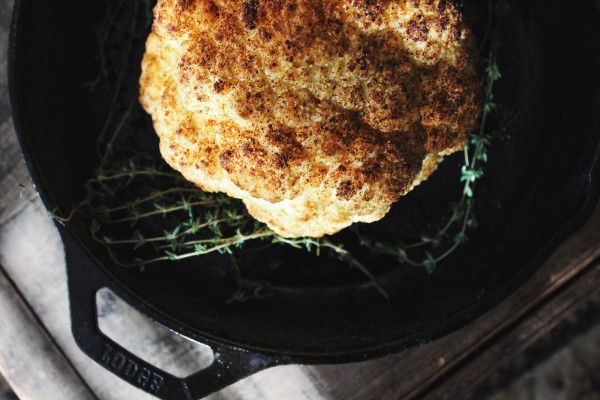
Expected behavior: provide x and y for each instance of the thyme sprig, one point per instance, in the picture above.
(142, 212)
(462, 216)
(133, 193)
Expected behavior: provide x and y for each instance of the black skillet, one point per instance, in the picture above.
(541, 184)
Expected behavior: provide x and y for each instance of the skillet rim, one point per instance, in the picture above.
(567, 229)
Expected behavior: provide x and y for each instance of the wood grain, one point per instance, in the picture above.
(29, 359)
(421, 368)
(32, 254)
(520, 335)
(13, 175)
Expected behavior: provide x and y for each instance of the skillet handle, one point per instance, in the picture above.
(85, 278)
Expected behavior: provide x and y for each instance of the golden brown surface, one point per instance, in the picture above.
(316, 113)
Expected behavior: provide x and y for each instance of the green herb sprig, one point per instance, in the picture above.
(462, 216)
(126, 199)
(142, 212)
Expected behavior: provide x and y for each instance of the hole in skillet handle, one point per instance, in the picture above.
(85, 278)
(152, 342)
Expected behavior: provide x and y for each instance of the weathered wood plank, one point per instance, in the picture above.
(523, 334)
(31, 249)
(29, 359)
(408, 374)
(12, 168)
(12, 174)
(5, 10)
(32, 255)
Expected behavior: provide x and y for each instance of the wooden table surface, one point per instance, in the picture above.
(40, 359)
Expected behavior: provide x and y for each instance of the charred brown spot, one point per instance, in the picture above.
(287, 143)
(184, 4)
(265, 34)
(417, 30)
(280, 161)
(346, 190)
(250, 13)
(213, 9)
(330, 106)
(372, 8)
(225, 160)
(218, 86)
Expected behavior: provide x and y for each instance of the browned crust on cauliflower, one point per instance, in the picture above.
(316, 113)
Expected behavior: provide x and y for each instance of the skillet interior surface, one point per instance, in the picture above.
(541, 183)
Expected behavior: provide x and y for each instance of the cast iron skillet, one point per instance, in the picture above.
(541, 184)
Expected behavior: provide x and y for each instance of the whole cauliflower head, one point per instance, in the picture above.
(316, 113)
